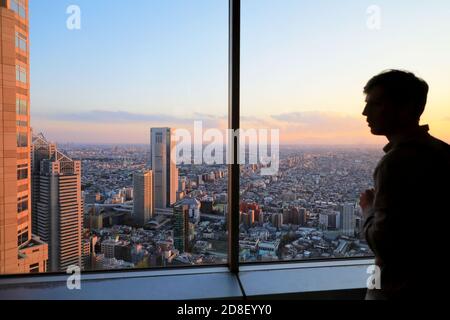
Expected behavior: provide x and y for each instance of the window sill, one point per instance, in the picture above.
(267, 280)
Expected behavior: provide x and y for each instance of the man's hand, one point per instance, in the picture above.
(366, 201)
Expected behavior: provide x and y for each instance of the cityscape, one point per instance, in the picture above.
(113, 205)
(109, 207)
(307, 211)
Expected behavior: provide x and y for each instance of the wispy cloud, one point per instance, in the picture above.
(115, 126)
(318, 119)
(322, 127)
(100, 116)
(115, 117)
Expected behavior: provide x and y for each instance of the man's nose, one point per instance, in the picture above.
(365, 111)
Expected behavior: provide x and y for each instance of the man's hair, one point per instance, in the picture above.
(403, 88)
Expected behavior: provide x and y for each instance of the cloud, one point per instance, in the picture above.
(317, 118)
(123, 117)
(330, 121)
(322, 127)
(99, 116)
(309, 127)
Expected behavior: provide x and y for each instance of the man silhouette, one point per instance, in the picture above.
(406, 215)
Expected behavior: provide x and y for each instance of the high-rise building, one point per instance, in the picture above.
(248, 218)
(348, 219)
(181, 227)
(187, 214)
(330, 220)
(165, 172)
(143, 203)
(57, 203)
(20, 250)
(297, 216)
(277, 220)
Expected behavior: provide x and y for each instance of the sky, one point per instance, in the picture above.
(139, 64)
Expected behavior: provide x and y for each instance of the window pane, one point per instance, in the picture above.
(304, 66)
(110, 95)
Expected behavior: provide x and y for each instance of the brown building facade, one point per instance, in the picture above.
(20, 251)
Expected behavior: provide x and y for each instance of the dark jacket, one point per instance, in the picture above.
(408, 226)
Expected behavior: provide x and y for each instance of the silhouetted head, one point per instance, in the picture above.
(395, 101)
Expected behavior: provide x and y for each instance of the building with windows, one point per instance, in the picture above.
(348, 221)
(57, 204)
(20, 250)
(143, 204)
(181, 226)
(165, 172)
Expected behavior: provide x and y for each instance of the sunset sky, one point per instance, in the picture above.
(152, 63)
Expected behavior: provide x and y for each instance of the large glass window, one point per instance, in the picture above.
(106, 124)
(130, 140)
(304, 66)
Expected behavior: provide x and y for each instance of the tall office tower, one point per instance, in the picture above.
(181, 227)
(57, 203)
(165, 172)
(20, 251)
(348, 219)
(143, 204)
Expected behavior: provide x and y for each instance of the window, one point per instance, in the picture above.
(21, 41)
(109, 150)
(118, 183)
(317, 57)
(22, 173)
(22, 139)
(21, 123)
(22, 238)
(18, 6)
(21, 107)
(21, 74)
(22, 204)
(34, 268)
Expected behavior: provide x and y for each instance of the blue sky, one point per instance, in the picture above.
(141, 63)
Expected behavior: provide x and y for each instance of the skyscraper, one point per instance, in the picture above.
(181, 227)
(165, 172)
(57, 203)
(143, 204)
(20, 251)
(348, 219)
(186, 212)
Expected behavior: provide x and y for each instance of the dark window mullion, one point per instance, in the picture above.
(234, 124)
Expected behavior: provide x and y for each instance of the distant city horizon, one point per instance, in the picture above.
(304, 76)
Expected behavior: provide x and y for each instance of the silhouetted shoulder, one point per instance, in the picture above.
(426, 154)
(440, 146)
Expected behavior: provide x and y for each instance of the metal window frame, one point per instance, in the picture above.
(234, 124)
